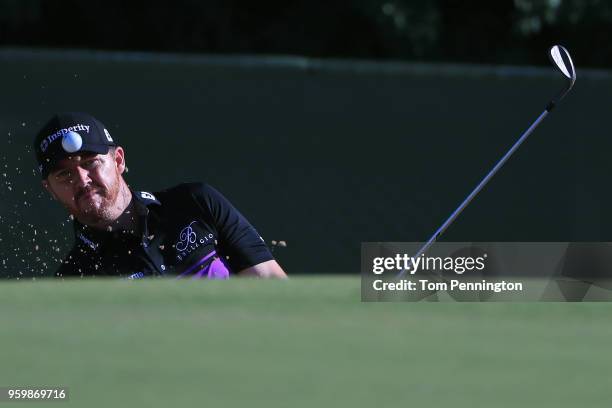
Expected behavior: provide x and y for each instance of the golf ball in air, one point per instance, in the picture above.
(72, 142)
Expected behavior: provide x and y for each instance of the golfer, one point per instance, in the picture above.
(189, 230)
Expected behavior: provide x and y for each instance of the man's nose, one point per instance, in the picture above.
(81, 177)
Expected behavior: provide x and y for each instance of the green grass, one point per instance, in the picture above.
(307, 342)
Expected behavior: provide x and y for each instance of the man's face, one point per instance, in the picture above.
(88, 185)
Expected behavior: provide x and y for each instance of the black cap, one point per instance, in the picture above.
(68, 134)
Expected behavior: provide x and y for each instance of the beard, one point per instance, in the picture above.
(96, 205)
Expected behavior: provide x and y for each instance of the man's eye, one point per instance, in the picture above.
(91, 164)
(62, 175)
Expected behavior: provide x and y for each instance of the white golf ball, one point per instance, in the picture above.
(72, 142)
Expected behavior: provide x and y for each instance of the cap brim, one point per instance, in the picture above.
(86, 148)
(92, 148)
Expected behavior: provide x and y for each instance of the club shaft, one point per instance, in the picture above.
(476, 190)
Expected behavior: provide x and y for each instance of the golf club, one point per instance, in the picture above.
(560, 57)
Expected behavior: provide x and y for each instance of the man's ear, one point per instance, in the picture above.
(47, 187)
(120, 159)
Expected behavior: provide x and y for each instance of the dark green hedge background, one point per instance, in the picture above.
(479, 31)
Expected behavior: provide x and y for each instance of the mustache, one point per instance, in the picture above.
(84, 191)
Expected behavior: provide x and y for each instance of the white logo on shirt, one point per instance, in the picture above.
(89, 242)
(186, 237)
(147, 196)
(189, 241)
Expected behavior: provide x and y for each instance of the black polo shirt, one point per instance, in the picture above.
(190, 230)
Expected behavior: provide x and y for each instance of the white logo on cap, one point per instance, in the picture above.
(72, 142)
(52, 137)
(108, 136)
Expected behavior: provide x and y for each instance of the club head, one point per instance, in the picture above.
(561, 58)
